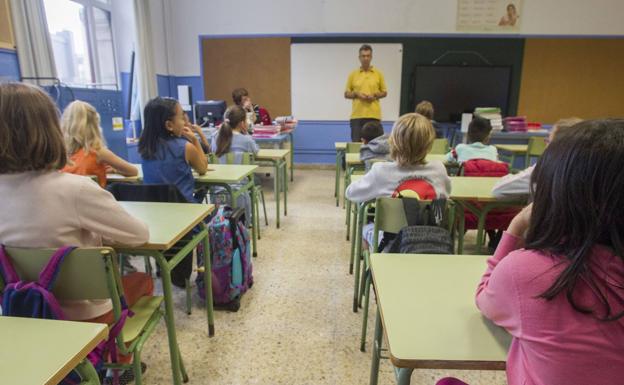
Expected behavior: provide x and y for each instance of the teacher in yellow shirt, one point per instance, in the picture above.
(365, 86)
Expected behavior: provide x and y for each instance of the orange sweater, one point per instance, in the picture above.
(87, 164)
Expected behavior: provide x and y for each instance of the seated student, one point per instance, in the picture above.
(42, 207)
(375, 144)
(232, 137)
(518, 184)
(477, 147)
(205, 145)
(425, 108)
(556, 280)
(85, 146)
(169, 150)
(255, 113)
(410, 141)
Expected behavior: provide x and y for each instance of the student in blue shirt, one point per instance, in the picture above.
(478, 146)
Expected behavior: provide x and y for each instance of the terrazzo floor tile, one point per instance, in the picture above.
(296, 325)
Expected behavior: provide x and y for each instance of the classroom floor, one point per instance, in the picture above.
(296, 325)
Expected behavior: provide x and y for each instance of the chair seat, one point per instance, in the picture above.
(143, 310)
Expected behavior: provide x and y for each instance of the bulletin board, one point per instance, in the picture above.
(261, 65)
(571, 77)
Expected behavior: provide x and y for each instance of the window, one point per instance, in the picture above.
(82, 42)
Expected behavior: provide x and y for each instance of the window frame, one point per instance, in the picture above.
(92, 47)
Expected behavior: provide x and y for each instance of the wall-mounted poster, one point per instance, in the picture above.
(489, 15)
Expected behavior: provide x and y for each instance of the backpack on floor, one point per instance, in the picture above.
(36, 300)
(230, 256)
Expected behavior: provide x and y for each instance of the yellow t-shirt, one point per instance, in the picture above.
(367, 82)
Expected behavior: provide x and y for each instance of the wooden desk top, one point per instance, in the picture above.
(225, 173)
(513, 148)
(167, 222)
(428, 310)
(270, 154)
(39, 351)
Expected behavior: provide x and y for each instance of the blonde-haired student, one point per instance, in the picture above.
(410, 141)
(87, 151)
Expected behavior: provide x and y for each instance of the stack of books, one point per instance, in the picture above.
(493, 114)
(260, 131)
(515, 123)
(286, 122)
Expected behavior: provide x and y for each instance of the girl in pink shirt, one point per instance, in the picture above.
(556, 281)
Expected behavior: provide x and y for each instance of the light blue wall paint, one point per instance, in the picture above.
(9, 66)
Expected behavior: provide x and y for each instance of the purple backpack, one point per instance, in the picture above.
(35, 300)
(230, 254)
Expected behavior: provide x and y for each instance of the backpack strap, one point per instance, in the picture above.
(50, 271)
(9, 275)
(411, 208)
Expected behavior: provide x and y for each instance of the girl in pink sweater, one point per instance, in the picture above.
(556, 281)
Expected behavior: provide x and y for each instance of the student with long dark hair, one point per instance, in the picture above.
(556, 280)
(168, 148)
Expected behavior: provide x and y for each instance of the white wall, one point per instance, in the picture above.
(191, 18)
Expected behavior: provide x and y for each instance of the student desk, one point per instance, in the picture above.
(426, 311)
(514, 150)
(40, 351)
(280, 181)
(225, 175)
(168, 223)
(465, 191)
(284, 136)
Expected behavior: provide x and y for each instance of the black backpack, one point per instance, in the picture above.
(424, 233)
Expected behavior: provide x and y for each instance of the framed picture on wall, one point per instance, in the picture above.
(489, 15)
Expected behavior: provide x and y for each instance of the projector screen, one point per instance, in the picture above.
(319, 74)
(457, 89)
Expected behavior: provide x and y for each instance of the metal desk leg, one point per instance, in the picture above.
(284, 174)
(376, 350)
(404, 376)
(337, 180)
(208, 285)
(461, 224)
(165, 274)
(276, 187)
(292, 156)
(358, 251)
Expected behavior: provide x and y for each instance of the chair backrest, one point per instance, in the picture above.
(84, 274)
(146, 193)
(484, 167)
(232, 158)
(537, 145)
(440, 146)
(353, 147)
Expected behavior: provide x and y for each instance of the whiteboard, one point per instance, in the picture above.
(319, 74)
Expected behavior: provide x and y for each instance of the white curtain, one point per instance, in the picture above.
(34, 46)
(144, 65)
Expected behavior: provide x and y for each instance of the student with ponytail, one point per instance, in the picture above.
(233, 137)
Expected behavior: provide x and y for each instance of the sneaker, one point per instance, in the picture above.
(124, 378)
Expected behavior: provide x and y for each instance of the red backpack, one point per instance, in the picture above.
(497, 219)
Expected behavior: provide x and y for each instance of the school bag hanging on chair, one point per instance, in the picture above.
(230, 257)
(36, 300)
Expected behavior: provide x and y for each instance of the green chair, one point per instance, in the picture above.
(93, 274)
(536, 147)
(440, 146)
(389, 217)
(257, 193)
